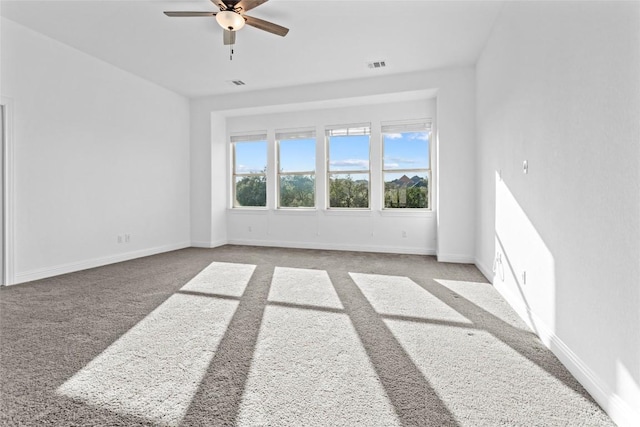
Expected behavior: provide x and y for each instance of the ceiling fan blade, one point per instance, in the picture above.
(187, 14)
(247, 5)
(229, 37)
(266, 26)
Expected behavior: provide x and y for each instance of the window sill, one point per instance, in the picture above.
(352, 212)
(348, 211)
(248, 210)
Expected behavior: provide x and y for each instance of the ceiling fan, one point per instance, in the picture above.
(232, 18)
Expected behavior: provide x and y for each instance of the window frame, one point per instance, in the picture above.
(357, 129)
(407, 126)
(292, 135)
(245, 138)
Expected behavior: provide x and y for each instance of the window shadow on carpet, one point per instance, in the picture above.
(220, 394)
(218, 398)
(415, 401)
(61, 324)
(522, 341)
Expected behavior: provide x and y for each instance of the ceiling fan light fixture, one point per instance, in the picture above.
(230, 20)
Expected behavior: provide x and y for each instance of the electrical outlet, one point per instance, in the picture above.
(404, 234)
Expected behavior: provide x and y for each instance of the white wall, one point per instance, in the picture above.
(370, 230)
(97, 153)
(558, 85)
(455, 91)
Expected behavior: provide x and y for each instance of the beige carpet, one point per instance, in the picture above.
(277, 337)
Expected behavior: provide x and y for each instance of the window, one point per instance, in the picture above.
(249, 170)
(406, 166)
(348, 166)
(296, 168)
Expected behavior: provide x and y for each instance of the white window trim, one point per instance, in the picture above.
(246, 137)
(412, 125)
(292, 135)
(353, 129)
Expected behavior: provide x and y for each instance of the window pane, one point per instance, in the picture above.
(349, 153)
(251, 191)
(297, 191)
(402, 191)
(250, 157)
(349, 191)
(297, 155)
(406, 150)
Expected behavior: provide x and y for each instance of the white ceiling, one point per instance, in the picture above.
(329, 40)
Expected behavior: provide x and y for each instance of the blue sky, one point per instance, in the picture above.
(407, 150)
(298, 155)
(251, 156)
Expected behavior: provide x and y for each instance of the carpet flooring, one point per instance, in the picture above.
(247, 336)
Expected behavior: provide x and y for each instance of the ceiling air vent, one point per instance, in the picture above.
(376, 64)
(236, 82)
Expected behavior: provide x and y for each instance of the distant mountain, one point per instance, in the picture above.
(405, 181)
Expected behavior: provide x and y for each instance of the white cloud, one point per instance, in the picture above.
(247, 169)
(397, 161)
(393, 135)
(424, 136)
(358, 163)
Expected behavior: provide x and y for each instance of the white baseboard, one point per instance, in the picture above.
(623, 414)
(334, 247)
(42, 273)
(487, 272)
(459, 259)
(208, 245)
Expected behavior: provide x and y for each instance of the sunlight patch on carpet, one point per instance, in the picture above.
(487, 298)
(304, 287)
(222, 278)
(309, 366)
(466, 366)
(458, 361)
(154, 370)
(401, 296)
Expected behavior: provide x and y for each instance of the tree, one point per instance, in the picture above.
(297, 191)
(347, 193)
(413, 193)
(417, 197)
(391, 196)
(252, 191)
